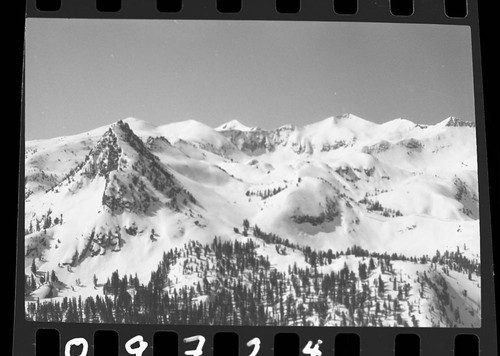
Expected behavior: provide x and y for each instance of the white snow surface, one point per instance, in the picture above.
(235, 125)
(426, 173)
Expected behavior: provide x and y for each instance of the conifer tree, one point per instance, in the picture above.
(33, 267)
(381, 287)
(371, 265)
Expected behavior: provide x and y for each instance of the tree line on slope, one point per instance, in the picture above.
(238, 286)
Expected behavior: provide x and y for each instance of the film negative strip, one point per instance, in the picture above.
(253, 178)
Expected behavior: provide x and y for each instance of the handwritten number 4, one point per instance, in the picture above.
(313, 351)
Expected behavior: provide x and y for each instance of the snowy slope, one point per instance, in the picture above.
(235, 125)
(118, 197)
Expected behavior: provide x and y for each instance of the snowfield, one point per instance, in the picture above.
(118, 199)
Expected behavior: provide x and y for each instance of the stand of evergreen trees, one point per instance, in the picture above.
(266, 193)
(238, 286)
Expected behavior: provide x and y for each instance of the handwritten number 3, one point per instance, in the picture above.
(143, 345)
(199, 349)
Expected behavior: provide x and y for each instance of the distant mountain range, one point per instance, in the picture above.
(119, 196)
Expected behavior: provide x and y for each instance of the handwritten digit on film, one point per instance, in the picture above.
(313, 351)
(255, 342)
(199, 349)
(143, 345)
(76, 342)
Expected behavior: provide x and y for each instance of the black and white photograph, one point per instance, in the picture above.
(250, 173)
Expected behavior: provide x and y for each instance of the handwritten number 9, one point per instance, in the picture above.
(143, 345)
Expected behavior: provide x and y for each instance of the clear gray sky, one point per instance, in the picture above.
(82, 74)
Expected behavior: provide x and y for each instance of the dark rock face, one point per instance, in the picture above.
(455, 122)
(131, 171)
(412, 144)
(327, 215)
(103, 158)
(251, 142)
(260, 141)
(376, 148)
(154, 143)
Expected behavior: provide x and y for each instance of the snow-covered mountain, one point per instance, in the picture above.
(119, 197)
(235, 125)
